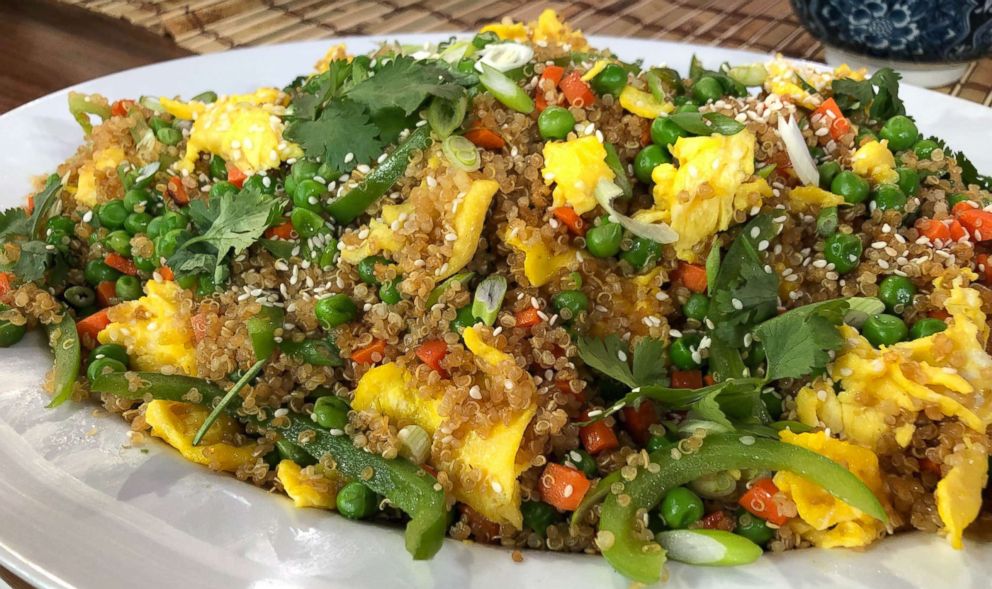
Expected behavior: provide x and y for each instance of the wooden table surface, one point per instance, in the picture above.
(46, 46)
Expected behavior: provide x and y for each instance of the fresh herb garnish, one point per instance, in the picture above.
(26, 232)
(706, 123)
(611, 356)
(876, 97)
(226, 399)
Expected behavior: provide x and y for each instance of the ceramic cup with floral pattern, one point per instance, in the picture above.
(929, 41)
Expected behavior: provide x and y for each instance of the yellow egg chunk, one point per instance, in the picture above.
(643, 104)
(245, 130)
(155, 329)
(540, 265)
(508, 31)
(959, 494)
(104, 161)
(548, 28)
(388, 390)
(597, 67)
(381, 237)
(699, 197)
(786, 78)
(176, 423)
(337, 52)
(874, 160)
(308, 489)
(833, 523)
(575, 167)
(489, 354)
(469, 219)
(813, 197)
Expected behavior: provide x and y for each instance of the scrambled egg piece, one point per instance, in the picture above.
(155, 329)
(540, 264)
(244, 129)
(470, 217)
(388, 390)
(336, 53)
(643, 104)
(314, 488)
(699, 197)
(813, 197)
(381, 237)
(575, 167)
(548, 28)
(959, 494)
(783, 79)
(874, 160)
(176, 423)
(592, 72)
(828, 521)
(103, 161)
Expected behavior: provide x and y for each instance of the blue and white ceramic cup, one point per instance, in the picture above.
(929, 41)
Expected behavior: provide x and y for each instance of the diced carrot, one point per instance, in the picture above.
(964, 205)
(576, 91)
(367, 355)
(429, 469)
(934, 230)
(839, 125)
(984, 268)
(927, 465)
(484, 530)
(957, 231)
(598, 437)
(166, 273)
(708, 379)
(638, 421)
(527, 317)
(106, 291)
(29, 205)
(198, 323)
(571, 219)
(485, 138)
(120, 263)
(692, 276)
(645, 133)
(978, 222)
(553, 73)
(93, 324)
(5, 283)
(718, 520)
(565, 386)
(687, 379)
(431, 353)
(235, 175)
(939, 314)
(177, 191)
(549, 80)
(563, 487)
(280, 231)
(759, 500)
(119, 108)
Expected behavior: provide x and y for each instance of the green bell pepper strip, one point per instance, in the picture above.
(64, 341)
(642, 561)
(262, 331)
(404, 484)
(348, 207)
(620, 177)
(83, 105)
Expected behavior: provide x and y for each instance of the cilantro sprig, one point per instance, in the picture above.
(875, 98)
(26, 233)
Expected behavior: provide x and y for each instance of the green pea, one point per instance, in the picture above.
(611, 80)
(864, 134)
(58, 238)
(926, 327)
(696, 306)
(206, 285)
(10, 334)
(112, 214)
(828, 171)
(218, 168)
(308, 194)
(128, 288)
(306, 222)
(884, 329)
(104, 366)
(664, 132)
(137, 223)
(658, 443)
(174, 220)
(843, 250)
(165, 245)
(818, 152)
(603, 241)
(221, 188)
(79, 297)
(707, 89)
(924, 148)
(145, 264)
(555, 122)
(331, 412)
(155, 227)
(112, 351)
(896, 292)
(909, 181)
(366, 269)
(956, 198)
(753, 528)
(772, 401)
(289, 185)
(292, 451)
(96, 271)
(901, 132)
(463, 319)
(582, 460)
(157, 123)
(827, 221)
(680, 507)
(187, 281)
(304, 170)
(389, 293)
(888, 197)
(538, 515)
(849, 185)
(643, 253)
(169, 135)
(329, 253)
(61, 223)
(137, 199)
(649, 158)
(260, 183)
(689, 106)
(570, 303)
(335, 310)
(681, 351)
(119, 241)
(356, 501)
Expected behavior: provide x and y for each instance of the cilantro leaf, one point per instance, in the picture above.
(31, 264)
(649, 362)
(607, 355)
(17, 227)
(14, 222)
(861, 96)
(343, 127)
(405, 83)
(43, 203)
(799, 342)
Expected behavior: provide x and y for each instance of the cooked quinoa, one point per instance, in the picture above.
(530, 282)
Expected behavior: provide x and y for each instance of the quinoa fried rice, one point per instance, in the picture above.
(535, 275)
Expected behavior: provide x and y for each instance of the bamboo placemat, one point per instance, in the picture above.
(205, 26)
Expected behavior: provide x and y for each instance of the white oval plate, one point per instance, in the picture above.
(80, 509)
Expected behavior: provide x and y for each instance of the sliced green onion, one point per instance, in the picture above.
(620, 177)
(749, 75)
(505, 90)
(208, 97)
(457, 51)
(708, 547)
(461, 153)
(606, 191)
(415, 443)
(444, 116)
(766, 171)
(152, 103)
(489, 298)
(83, 105)
(461, 278)
(256, 367)
(505, 56)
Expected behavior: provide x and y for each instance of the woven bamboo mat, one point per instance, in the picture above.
(205, 26)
